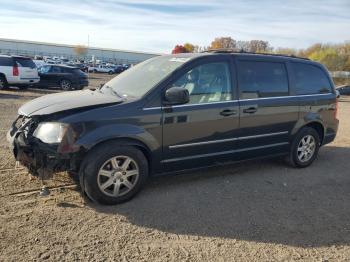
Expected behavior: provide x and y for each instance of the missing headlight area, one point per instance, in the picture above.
(43, 147)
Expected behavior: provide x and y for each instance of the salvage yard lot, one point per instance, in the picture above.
(250, 211)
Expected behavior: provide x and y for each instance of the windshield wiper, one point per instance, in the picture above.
(113, 91)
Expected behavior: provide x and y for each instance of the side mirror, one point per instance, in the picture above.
(177, 96)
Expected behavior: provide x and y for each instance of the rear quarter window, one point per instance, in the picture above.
(25, 62)
(310, 79)
(6, 61)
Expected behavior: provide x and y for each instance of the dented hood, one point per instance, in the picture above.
(54, 103)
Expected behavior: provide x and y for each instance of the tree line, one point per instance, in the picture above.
(336, 57)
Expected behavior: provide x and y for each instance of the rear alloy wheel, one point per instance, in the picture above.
(65, 85)
(110, 72)
(3, 83)
(305, 147)
(112, 174)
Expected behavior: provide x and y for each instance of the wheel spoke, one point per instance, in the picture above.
(114, 163)
(106, 184)
(126, 163)
(131, 173)
(105, 173)
(127, 184)
(116, 189)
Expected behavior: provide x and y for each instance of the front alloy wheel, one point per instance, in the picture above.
(118, 176)
(113, 173)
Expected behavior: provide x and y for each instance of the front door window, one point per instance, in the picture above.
(207, 83)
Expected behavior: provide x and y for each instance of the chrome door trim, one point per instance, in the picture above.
(227, 140)
(222, 153)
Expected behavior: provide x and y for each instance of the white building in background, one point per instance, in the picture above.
(31, 48)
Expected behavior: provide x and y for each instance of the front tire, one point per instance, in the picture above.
(113, 174)
(305, 147)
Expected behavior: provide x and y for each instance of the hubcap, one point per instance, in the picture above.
(2, 84)
(65, 85)
(117, 176)
(306, 148)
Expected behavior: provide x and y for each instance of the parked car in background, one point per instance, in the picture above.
(177, 112)
(101, 69)
(118, 69)
(81, 66)
(344, 90)
(17, 71)
(65, 77)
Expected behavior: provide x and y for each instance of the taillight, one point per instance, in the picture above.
(15, 70)
(336, 108)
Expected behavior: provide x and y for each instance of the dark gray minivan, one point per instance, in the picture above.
(178, 112)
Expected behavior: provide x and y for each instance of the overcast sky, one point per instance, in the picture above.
(149, 25)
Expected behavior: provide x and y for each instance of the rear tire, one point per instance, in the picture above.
(66, 85)
(112, 174)
(3, 83)
(305, 147)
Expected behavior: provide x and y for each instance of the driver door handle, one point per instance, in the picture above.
(228, 112)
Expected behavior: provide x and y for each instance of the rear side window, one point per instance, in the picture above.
(77, 71)
(66, 70)
(25, 62)
(262, 79)
(55, 69)
(6, 61)
(310, 79)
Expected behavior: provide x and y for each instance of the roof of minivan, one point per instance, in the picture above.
(243, 54)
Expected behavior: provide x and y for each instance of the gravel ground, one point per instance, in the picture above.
(250, 211)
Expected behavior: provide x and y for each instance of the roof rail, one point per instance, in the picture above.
(240, 51)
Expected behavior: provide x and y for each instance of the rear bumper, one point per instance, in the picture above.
(82, 83)
(331, 133)
(329, 138)
(24, 81)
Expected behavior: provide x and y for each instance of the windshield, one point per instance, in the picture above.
(138, 80)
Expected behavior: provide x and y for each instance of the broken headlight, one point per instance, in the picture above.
(50, 132)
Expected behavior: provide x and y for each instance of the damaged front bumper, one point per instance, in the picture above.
(41, 159)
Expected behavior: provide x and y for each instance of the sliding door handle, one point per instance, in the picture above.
(250, 110)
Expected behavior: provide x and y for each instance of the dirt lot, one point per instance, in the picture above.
(252, 211)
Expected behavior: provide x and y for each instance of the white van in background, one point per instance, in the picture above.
(17, 71)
